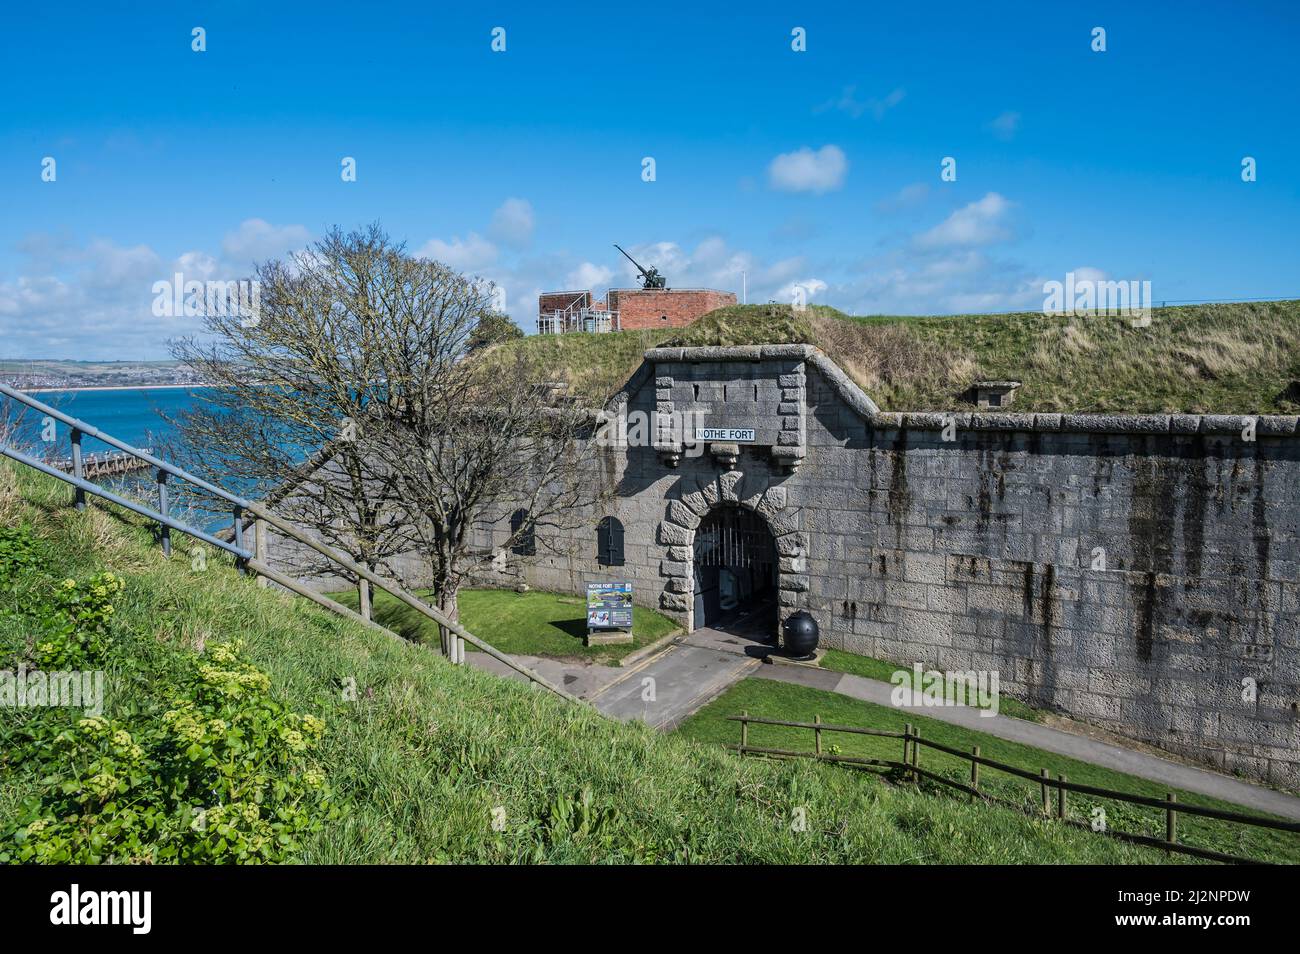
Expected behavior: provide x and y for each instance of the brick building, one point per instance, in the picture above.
(627, 309)
(640, 308)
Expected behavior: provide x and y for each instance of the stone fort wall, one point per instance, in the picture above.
(1136, 572)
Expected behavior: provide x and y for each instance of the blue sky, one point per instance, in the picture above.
(818, 168)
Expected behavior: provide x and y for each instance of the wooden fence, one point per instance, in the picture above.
(910, 765)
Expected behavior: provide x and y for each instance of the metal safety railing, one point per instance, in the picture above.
(564, 321)
(247, 560)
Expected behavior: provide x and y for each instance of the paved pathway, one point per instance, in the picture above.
(667, 688)
(580, 678)
(1141, 764)
(662, 690)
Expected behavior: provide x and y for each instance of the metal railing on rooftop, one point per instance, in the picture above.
(561, 321)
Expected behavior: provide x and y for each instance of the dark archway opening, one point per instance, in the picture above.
(735, 573)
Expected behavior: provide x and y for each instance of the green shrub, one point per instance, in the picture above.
(223, 775)
(209, 767)
(74, 622)
(17, 551)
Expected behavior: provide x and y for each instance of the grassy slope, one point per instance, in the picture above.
(791, 703)
(428, 751)
(1229, 358)
(534, 623)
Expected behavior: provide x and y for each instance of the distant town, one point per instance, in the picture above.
(59, 375)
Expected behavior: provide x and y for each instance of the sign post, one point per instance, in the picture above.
(609, 613)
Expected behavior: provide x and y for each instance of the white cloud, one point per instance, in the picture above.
(110, 266)
(807, 171)
(982, 222)
(468, 254)
(105, 291)
(849, 103)
(257, 240)
(1006, 125)
(513, 222)
(93, 301)
(589, 276)
(810, 288)
(905, 198)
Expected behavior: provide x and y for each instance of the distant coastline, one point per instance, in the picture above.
(116, 387)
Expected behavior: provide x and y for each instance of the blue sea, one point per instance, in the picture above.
(133, 415)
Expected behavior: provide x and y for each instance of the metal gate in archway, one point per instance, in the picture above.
(735, 564)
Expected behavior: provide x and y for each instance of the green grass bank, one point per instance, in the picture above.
(1233, 358)
(423, 757)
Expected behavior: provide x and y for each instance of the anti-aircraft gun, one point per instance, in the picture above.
(650, 278)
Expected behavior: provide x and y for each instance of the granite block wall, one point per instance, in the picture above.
(1141, 573)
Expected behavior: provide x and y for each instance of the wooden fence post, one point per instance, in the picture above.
(1171, 820)
(1061, 807)
(907, 741)
(744, 730)
(363, 594)
(1045, 775)
(975, 769)
(916, 754)
(817, 736)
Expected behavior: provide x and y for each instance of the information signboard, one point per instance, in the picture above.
(609, 606)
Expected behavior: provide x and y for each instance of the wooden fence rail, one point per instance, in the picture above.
(910, 765)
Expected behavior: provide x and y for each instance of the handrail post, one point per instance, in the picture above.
(1045, 775)
(363, 593)
(162, 509)
(259, 548)
(975, 769)
(1171, 820)
(1061, 808)
(77, 467)
(907, 741)
(239, 536)
(916, 754)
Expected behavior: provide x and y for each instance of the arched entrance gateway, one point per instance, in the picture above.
(735, 572)
(732, 520)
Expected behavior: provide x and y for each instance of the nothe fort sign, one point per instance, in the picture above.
(735, 435)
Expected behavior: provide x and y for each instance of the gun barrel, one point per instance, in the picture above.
(630, 258)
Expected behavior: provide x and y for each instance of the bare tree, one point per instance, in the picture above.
(422, 433)
(292, 385)
(476, 442)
